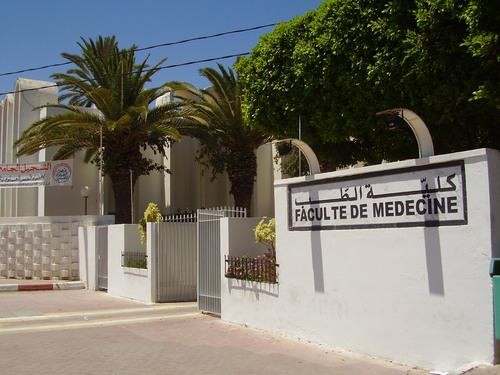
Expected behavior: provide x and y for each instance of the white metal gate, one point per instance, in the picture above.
(102, 257)
(176, 259)
(209, 262)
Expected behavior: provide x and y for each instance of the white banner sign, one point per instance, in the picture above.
(430, 195)
(49, 173)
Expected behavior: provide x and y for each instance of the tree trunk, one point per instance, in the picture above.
(119, 161)
(122, 195)
(242, 171)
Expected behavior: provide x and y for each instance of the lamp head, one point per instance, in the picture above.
(84, 192)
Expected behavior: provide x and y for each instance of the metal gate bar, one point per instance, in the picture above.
(209, 262)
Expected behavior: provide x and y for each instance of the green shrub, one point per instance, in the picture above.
(266, 233)
(136, 263)
(262, 268)
(151, 215)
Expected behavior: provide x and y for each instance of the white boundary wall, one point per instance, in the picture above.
(167, 259)
(87, 254)
(134, 283)
(416, 295)
(238, 237)
(42, 247)
(242, 301)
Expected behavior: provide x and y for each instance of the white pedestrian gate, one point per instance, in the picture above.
(176, 259)
(209, 262)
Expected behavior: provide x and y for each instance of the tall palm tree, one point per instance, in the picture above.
(109, 79)
(228, 143)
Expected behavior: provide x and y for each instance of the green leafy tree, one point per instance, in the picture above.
(227, 142)
(483, 42)
(339, 65)
(109, 79)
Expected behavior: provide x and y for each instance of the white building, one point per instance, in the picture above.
(187, 188)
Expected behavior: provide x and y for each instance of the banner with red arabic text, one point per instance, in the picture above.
(47, 173)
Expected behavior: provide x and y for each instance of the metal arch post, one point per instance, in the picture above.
(309, 154)
(418, 127)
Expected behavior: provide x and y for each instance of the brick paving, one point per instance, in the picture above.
(45, 302)
(196, 345)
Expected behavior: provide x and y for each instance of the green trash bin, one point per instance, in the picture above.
(495, 277)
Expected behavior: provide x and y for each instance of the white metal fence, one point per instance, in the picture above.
(209, 258)
(176, 259)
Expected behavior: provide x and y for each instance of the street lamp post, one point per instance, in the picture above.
(131, 197)
(85, 195)
(100, 209)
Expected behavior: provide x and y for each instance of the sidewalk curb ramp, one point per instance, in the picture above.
(63, 285)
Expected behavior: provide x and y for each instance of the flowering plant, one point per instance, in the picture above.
(261, 268)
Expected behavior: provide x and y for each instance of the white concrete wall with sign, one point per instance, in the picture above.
(399, 282)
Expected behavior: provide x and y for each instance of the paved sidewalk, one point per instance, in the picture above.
(132, 338)
(47, 302)
(183, 345)
(89, 332)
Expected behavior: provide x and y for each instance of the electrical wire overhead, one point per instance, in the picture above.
(193, 62)
(166, 44)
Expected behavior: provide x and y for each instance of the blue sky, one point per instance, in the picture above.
(34, 32)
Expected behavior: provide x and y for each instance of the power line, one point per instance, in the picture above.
(203, 60)
(193, 62)
(207, 37)
(182, 41)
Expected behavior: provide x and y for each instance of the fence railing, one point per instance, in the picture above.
(262, 268)
(134, 260)
(181, 218)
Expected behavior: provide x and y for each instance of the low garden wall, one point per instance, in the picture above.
(161, 270)
(115, 253)
(243, 301)
(128, 276)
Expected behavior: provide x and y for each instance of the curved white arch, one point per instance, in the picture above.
(418, 127)
(308, 152)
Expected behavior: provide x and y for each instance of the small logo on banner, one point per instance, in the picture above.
(61, 173)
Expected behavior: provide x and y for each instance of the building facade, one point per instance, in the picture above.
(188, 187)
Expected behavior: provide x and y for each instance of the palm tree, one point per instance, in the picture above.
(228, 143)
(109, 79)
